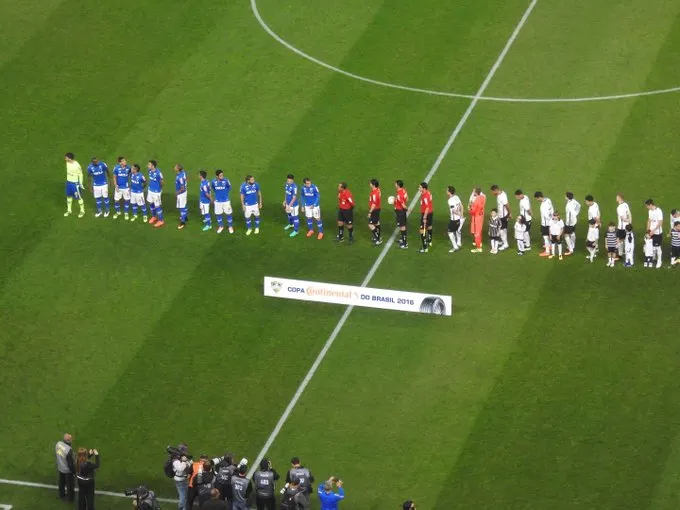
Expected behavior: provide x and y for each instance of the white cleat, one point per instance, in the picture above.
(106, 214)
(231, 230)
(249, 231)
(220, 229)
(99, 213)
(257, 230)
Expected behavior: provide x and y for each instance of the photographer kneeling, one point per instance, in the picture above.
(85, 476)
(145, 499)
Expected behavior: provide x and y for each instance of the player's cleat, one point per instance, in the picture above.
(249, 231)
(423, 250)
(320, 236)
(127, 216)
(207, 227)
(404, 246)
(453, 250)
(106, 214)
(116, 215)
(180, 226)
(82, 213)
(310, 233)
(551, 256)
(159, 224)
(288, 227)
(231, 230)
(378, 242)
(153, 220)
(568, 253)
(219, 229)
(98, 214)
(145, 219)
(67, 213)
(337, 239)
(561, 257)
(476, 250)
(544, 254)
(350, 242)
(527, 248)
(257, 230)
(134, 218)
(293, 233)
(520, 253)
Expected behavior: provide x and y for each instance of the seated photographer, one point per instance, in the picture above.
(145, 499)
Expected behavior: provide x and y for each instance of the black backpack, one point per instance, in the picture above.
(168, 469)
(204, 483)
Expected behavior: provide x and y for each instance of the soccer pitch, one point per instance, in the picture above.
(554, 385)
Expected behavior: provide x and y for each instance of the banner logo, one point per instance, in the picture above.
(350, 295)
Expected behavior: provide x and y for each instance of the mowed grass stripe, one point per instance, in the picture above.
(73, 104)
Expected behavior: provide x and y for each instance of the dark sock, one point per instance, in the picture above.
(341, 232)
(403, 236)
(429, 236)
(374, 233)
(351, 233)
(423, 238)
(378, 229)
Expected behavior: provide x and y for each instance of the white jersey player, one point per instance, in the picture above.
(571, 212)
(455, 218)
(525, 211)
(546, 211)
(655, 227)
(623, 219)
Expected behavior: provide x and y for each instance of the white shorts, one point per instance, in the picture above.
(101, 191)
(182, 200)
(295, 210)
(137, 198)
(313, 211)
(205, 208)
(252, 210)
(121, 193)
(154, 198)
(223, 207)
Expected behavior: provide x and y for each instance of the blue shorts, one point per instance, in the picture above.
(72, 190)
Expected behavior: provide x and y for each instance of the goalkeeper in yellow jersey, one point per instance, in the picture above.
(74, 184)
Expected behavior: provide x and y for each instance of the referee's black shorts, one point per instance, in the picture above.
(346, 216)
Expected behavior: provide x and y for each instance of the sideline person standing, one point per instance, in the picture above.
(305, 480)
(85, 475)
(329, 498)
(66, 467)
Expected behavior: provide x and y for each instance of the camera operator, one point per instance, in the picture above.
(144, 500)
(306, 479)
(216, 501)
(66, 467)
(241, 488)
(409, 505)
(196, 467)
(225, 469)
(205, 482)
(85, 475)
(264, 481)
(291, 495)
(181, 468)
(330, 499)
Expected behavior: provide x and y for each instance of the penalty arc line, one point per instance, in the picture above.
(369, 276)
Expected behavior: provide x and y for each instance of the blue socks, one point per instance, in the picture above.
(98, 201)
(319, 225)
(257, 222)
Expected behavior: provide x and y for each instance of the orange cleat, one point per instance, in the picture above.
(544, 254)
(310, 233)
(159, 224)
(320, 236)
(153, 220)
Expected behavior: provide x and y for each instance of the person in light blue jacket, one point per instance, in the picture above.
(329, 498)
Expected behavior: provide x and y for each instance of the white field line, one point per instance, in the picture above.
(430, 92)
(5, 507)
(442, 154)
(54, 487)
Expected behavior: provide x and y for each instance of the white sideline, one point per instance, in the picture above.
(54, 487)
(390, 241)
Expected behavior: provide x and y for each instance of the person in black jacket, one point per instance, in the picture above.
(85, 469)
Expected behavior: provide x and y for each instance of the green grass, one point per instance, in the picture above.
(553, 385)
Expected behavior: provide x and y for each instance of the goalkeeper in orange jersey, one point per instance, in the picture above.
(477, 204)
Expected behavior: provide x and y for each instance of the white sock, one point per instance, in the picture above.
(546, 243)
(659, 255)
(559, 249)
(494, 244)
(527, 240)
(520, 245)
(459, 238)
(592, 253)
(452, 236)
(504, 237)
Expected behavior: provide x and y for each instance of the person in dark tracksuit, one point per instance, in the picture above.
(305, 478)
(264, 481)
(85, 476)
(66, 467)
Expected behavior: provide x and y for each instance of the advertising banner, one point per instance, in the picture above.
(321, 292)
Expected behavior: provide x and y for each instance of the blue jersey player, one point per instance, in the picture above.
(204, 199)
(153, 196)
(291, 205)
(98, 174)
(121, 181)
(221, 188)
(311, 200)
(137, 185)
(181, 194)
(251, 203)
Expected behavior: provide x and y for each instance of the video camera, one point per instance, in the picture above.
(177, 452)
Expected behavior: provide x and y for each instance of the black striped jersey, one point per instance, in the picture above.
(494, 226)
(611, 239)
(675, 238)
